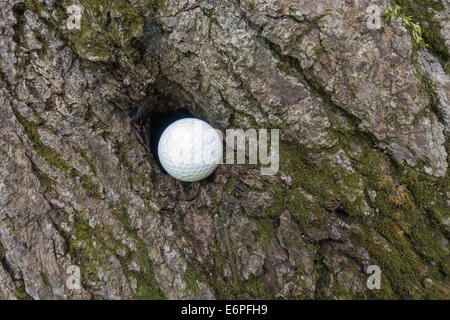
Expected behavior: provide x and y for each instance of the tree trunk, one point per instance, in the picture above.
(363, 108)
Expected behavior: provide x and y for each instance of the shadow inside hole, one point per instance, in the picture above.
(157, 123)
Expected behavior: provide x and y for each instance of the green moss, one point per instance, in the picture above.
(109, 31)
(421, 13)
(120, 23)
(155, 4)
(45, 279)
(410, 207)
(191, 276)
(394, 12)
(89, 256)
(46, 182)
(84, 154)
(266, 231)
(90, 43)
(92, 188)
(223, 288)
(148, 287)
(50, 155)
(342, 293)
(409, 210)
(90, 248)
(427, 90)
(2, 253)
(20, 293)
(35, 5)
(54, 159)
(89, 161)
(330, 186)
(210, 13)
(255, 287)
(121, 153)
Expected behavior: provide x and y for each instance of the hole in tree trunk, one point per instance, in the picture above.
(155, 124)
(159, 110)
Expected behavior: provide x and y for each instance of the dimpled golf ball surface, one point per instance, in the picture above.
(190, 149)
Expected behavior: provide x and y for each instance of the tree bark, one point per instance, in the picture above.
(363, 111)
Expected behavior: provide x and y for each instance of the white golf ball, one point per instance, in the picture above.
(190, 149)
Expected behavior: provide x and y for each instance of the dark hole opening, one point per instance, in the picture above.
(155, 125)
(18, 11)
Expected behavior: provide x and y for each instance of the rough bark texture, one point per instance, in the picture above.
(363, 115)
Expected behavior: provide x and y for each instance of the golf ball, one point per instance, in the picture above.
(190, 149)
